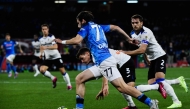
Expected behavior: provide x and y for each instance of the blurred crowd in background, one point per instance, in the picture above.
(169, 20)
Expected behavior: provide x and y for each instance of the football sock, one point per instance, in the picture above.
(79, 102)
(173, 81)
(66, 78)
(129, 99)
(170, 91)
(13, 68)
(49, 75)
(8, 67)
(143, 98)
(36, 68)
(144, 88)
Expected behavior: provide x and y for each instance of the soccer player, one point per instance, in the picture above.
(126, 67)
(157, 56)
(50, 55)
(36, 46)
(9, 48)
(96, 41)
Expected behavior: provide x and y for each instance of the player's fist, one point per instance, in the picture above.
(58, 40)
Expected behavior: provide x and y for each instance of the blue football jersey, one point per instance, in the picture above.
(9, 47)
(96, 41)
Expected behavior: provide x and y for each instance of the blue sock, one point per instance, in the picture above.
(13, 68)
(64, 73)
(159, 80)
(154, 83)
(8, 67)
(79, 102)
(143, 98)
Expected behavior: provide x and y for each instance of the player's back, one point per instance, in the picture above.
(120, 57)
(9, 47)
(96, 41)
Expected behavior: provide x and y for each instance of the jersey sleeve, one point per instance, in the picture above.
(83, 31)
(145, 37)
(53, 39)
(106, 28)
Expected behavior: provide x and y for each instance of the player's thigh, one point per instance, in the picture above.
(109, 70)
(128, 71)
(151, 71)
(10, 58)
(88, 74)
(45, 65)
(160, 67)
(59, 63)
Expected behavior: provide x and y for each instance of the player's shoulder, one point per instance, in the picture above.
(51, 35)
(146, 30)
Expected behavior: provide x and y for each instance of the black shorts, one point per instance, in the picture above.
(38, 60)
(57, 62)
(128, 71)
(157, 65)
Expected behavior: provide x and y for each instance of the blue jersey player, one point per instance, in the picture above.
(94, 36)
(9, 48)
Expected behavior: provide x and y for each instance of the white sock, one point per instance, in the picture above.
(49, 75)
(173, 81)
(35, 67)
(144, 88)
(67, 79)
(170, 91)
(129, 99)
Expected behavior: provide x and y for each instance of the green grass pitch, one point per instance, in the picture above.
(29, 92)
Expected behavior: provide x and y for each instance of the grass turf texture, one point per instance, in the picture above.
(29, 92)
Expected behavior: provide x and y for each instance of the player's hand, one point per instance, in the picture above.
(58, 40)
(40, 56)
(21, 51)
(130, 40)
(100, 95)
(105, 90)
(135, 42)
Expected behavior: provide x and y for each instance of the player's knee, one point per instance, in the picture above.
(43, 69)
(78, 79)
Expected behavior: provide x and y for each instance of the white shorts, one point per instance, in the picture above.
(95, 71)
(109, 70)
(11, 58)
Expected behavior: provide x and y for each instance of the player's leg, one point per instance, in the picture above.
(81, 78)
(110, 72)
(44, 70)
(35, 66)
(59, 64)
(152, 83)
(127, 71)
(10, 59)
(9, 71)
(160, 78)
(180, 80)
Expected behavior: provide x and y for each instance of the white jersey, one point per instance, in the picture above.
(146, 36)
(36, 45)
(49, 41)
(120, 57)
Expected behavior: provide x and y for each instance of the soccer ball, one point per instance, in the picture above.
(62, 107)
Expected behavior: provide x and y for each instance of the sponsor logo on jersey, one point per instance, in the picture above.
(102, 45)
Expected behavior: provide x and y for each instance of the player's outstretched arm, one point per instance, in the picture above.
(75, 40)
(104, 91)
(118, 29)
(140, 50)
